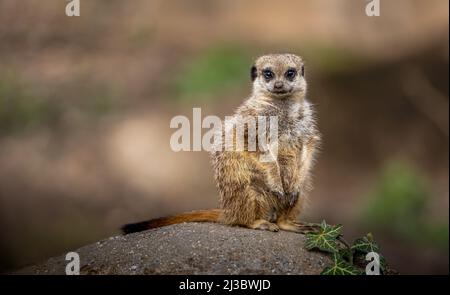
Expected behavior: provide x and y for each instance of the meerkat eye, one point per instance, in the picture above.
(290, 74)
(268, 74)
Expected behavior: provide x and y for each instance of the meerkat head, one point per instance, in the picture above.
(279, 76)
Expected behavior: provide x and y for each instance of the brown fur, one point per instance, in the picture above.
(264, 195)
(194, 216)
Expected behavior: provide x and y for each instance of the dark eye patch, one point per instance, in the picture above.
(253, 73)
(290, 74)
(268, 74)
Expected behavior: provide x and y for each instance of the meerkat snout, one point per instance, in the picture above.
(278, 85)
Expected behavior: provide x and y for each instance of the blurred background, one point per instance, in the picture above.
(85, 106)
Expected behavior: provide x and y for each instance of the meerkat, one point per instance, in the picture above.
(265, 195)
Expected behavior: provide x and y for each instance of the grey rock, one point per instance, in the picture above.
(193, 248)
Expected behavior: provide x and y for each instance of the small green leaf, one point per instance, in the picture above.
(325, 239)
(340, 267)
(365, 244)
(347, 255)
(383, 264)
(348, 260)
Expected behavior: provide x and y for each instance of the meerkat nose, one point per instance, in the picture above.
(278, 84)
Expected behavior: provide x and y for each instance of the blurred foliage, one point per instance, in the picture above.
(24, 107)
(219, 69)
(398, 205)
(331, 58)
(142, 36)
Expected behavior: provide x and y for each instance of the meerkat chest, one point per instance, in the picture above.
(291, 126)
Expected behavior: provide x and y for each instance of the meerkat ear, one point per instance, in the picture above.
(303, 71)
(253, 73)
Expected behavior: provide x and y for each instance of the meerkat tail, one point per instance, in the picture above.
(211, 215)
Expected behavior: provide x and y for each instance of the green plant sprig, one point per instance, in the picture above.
(328, 238)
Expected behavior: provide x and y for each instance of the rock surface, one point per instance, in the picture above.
(194, 248)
